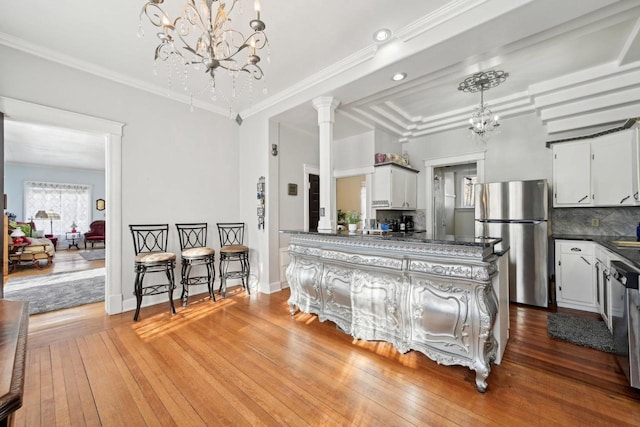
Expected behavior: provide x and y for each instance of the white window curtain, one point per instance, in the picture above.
(70, 201)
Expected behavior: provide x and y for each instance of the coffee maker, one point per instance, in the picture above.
(407, 220)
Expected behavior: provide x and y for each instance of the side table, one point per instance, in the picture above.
(73, 236)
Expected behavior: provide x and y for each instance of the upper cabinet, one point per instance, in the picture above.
(602, 171)
(394, 187)
(571, 174)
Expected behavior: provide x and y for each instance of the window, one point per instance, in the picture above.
(468, 191)
(71, 202)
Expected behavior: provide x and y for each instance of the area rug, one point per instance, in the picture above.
(57, 291)
(93, 255)
(582, 331)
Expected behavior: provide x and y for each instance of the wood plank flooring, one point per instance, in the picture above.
(245, 361)
(64, 261)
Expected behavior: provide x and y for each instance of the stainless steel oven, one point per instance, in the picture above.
(625, 316)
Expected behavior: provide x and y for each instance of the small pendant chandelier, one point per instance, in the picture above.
(483, 121)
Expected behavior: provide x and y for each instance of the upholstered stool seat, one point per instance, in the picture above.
(197, 252)
(155, 257)
(150, 245)
(232, 250)
(194, 252)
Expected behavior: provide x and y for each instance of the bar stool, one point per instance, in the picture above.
(194, 251)
(150, 245)
(232, 249)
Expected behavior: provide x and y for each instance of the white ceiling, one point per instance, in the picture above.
(561, 56)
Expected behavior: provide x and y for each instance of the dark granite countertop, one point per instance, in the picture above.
(632, 255)
(416, 236)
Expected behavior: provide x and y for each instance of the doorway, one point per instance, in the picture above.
(314, 201)
(454, 198)
(430, 168)
(112, 133)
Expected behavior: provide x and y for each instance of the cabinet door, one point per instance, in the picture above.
(612, 181)
(576, 282)
(398, 188)
(381, 188)
(575, 274)
(571, 174)
(411, 191)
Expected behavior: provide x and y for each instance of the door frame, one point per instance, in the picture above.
(478, 158)
(306, 171)
(23, 111)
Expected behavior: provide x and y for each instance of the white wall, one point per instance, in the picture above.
(354, 152)
(517, 152)
(296, 148)
(177, 165)
(386, 143)
(15, 174)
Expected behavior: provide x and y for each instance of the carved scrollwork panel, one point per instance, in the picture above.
(336, 294)
(441, 315)
(376, 300)
(304, 275)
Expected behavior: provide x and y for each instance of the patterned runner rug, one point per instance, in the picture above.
(57, 291)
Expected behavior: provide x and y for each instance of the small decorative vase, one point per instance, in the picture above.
(353, 228)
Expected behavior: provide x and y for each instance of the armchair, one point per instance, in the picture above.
(95, 234)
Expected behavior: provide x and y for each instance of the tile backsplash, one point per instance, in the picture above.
(620, 221)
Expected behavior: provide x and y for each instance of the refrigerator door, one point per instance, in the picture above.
(516, 200)
(528, 282)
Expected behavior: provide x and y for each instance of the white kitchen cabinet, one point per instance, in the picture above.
(394, 187)
(571, 174)
(600, 171)
(603, 283)
(575, 275)
(612, 176)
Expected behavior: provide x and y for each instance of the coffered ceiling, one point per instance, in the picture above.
(575, 64)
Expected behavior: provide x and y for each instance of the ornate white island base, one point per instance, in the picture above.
(432, 296)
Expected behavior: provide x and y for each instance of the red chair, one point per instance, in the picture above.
(96, 233)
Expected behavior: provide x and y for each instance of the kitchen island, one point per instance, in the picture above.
(439, 297)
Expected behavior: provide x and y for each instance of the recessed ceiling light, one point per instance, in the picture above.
(382, 35)
(399, 76)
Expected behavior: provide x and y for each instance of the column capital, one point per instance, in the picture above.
(325, 105)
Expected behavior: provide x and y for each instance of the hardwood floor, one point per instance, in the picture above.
(64, 261)
(245, 361)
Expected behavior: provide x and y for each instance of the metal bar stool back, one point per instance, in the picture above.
(232, 249)
(150, 245)
(194, 252)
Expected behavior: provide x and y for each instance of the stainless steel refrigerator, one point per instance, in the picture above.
(517, 212)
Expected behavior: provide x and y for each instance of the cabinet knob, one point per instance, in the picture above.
(574, 249)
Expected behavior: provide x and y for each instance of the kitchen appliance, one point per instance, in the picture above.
(407, 220)
(625, 313)
(517, 213)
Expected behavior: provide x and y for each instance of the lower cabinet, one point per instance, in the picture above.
(575, 275)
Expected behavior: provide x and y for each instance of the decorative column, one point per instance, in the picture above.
(326, 105)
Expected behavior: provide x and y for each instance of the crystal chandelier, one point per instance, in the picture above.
(483, 121)
(202, 38)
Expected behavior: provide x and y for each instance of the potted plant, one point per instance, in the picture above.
(353, 218)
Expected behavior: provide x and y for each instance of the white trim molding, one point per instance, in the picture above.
(23, 111)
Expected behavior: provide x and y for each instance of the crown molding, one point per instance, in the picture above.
(327, 73)
(438, 17)
(105, 73)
